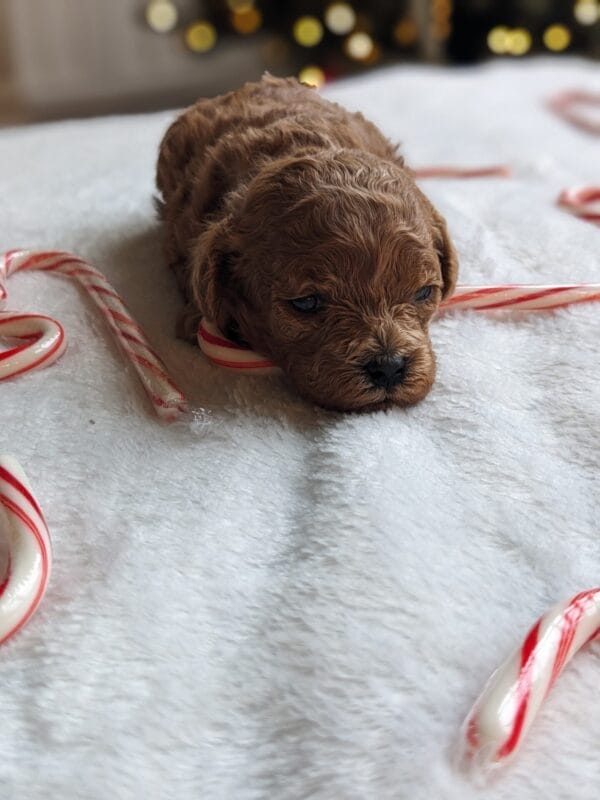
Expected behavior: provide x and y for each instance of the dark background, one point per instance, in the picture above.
(79, 57)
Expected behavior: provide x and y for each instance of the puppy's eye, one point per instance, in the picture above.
(308, 304)
(423, 294)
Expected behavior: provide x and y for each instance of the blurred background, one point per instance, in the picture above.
(62, 58)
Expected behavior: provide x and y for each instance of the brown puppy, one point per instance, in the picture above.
(294, 226)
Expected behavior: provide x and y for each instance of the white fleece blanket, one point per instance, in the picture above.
(278, 602)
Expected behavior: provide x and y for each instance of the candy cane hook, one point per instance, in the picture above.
(42, 341)
(44, 338)
(29, 549)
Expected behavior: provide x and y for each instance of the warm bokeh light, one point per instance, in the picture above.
(518, 42)
(514, 42)
(312, 75)
(308, 31)
(359, 46)
(405, 32)
(200, 36)
(587, 12)
(247, 20)
(497, 39)
(340, 18)
(441, 9)
(557, 37)
(161, 16)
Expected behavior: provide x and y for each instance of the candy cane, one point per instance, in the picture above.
(166, 398)
(566, 105)
(497, 171)
(43, 342)
(518, 297)
(29, 549)
(521, 297)
(505, 710)
(583, 201)
(225, 353)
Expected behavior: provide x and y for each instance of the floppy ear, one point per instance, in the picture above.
(446, 252)
(211, 276)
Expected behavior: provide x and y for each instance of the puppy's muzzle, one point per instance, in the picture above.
(386, 373)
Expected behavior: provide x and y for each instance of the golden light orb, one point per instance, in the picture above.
(359, 46)
(246, 21)
(497, 39)
(587, 12)
(161, 16)
(557, 38)
(518, 42)
(340, 18)
(200, 36)
(405, 32)
(312, 75)
(308, 31)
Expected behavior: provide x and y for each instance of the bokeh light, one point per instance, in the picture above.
(340, 18)
(359, 46)
(405, 32)
(246, 20)
(200, 36)
(308, 31)
(557, 37)
(587, 12)
(312, 75)
(510, 41)
(518, 42)
(161, 16)
(497, 39)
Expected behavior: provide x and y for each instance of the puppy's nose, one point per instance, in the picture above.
(386, 373)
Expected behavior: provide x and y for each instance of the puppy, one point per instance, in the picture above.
(294, 226)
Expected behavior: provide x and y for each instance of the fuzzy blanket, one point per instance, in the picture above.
(277, 602)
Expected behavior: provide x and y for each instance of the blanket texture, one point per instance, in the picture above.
(272, 601)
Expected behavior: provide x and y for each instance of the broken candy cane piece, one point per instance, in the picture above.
(29, 559)
(511, 699)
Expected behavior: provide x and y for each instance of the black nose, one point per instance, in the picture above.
(386, 373)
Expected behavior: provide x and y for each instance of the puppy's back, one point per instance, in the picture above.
(226, 139)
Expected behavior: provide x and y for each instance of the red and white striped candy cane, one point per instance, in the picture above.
(521, 297)
(583, 201)
(569, 104)
(29, 559)
(41, 342)
(495, 171)
(518, 297)
(168, 401)
(225, 353)
(505, 710)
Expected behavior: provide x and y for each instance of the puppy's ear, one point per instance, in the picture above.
(446, 252)
(212, 285)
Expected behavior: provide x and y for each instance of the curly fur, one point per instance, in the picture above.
(272, 192)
